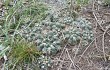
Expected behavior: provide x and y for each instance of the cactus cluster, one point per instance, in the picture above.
(68, 20)
(106, 3)
(80, 29)
(48, 35)
(72, 36)
(44, 62)
(87, 33)
(49, 44)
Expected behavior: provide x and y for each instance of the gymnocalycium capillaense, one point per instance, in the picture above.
(49, 36)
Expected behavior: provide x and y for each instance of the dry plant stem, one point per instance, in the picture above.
(88, 61)
(61, 54)
(69, 68)
(103, 43)
(70, 59)
(105, 31)
(96, 25)
(59, 68)
(94, 65)
(104, 46)
(98, 49)
(96, 18)
(103, 36)
(94, 13)
(99, 24)
(71, 6)
(77, 50)
(87, 48)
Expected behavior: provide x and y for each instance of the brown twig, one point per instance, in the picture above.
(103, 43)
(61, 54)
(99, 23)
(105, 31)
(96, 25)
(87, 48)
(72, 60)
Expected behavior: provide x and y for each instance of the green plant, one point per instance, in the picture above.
(3, 51)
(44, 62)
(47, 40)
(106, 2)
(23, 12)
(33, 13)
(22, 53)
(72, 36)
(68, 20)
(87, 33)
(19, 14)
(82, 2)
(49, 35)
(50, 44)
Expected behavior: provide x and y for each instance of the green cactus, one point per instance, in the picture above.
(106, 2)
(44, 62)
(80, 28)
